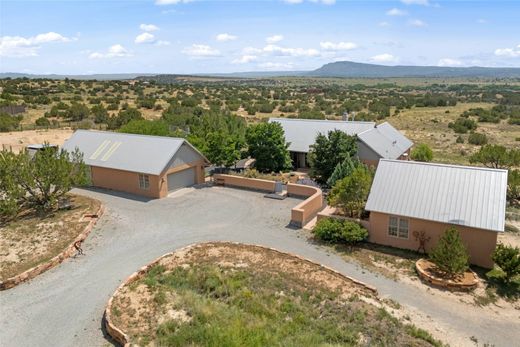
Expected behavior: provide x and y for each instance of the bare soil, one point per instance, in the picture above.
(33, 239)
(18, 140)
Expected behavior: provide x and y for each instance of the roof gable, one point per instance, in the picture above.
(129, 152)
(386, 141)
(463, 195)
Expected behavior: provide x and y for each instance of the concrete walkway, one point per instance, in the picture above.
(64, 306)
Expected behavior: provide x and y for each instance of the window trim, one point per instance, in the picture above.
(398, 227)
(144, 181)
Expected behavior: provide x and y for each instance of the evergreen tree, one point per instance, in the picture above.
(450, 254)
(342, 170)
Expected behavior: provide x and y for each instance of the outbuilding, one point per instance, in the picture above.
(408, 198)
(150, 166)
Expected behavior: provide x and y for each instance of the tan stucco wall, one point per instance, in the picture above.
(247, 183)
(480, 243)
(302, 213)
(124, 181)
(199, 175)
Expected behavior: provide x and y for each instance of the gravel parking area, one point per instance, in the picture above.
(64, 306)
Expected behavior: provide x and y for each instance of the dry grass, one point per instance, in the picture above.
(17, 140)
(33, 239)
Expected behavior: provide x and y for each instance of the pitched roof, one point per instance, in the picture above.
(301, 133)
(129, 152)
(386, 141)
(463, 195)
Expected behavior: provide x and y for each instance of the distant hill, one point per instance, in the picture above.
(99, 77)
(361, 70)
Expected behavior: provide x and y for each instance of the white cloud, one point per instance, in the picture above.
(417, 23)
(384, 24)
(276, 66)
(293, 1)
(416, 2)
(251, 50)
(144, 38)
(115, 51)
(171, 2)
(198, 50)
(148, 27)
(384, 58)
(449, 62)
(396, 12)
(163, 43)
(508, 52)
(245, 59)
(338, 46)
(18, 46)
(225, 37)
(274, 39)
(293, 52)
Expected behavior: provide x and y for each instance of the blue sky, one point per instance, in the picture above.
(198, 36)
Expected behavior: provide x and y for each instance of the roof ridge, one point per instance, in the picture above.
(465, 167)
(129, 134)
(322, 120)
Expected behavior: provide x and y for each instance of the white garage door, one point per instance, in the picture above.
(181, 179)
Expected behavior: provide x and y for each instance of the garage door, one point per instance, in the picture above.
(181, 179)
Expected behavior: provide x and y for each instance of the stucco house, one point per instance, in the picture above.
(408, 197)
(375, 141)
(150, 166)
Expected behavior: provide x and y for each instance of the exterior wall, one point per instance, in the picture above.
(480, 243)
(247, 183)
(366, 154)
(163, 178)
(302, 213)
(124, 181)
(185, 155)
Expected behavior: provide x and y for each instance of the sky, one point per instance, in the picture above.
(204, 36)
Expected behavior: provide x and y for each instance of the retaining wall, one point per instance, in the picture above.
(245, 183)
(302, 213)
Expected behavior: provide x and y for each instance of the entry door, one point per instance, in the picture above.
(181, 179)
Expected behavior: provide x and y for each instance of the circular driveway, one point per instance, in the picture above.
(64, 306)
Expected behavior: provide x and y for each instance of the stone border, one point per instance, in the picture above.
(56, 260)
(444, 283)
(122, 338)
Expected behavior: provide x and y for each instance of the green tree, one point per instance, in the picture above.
(342, 170)
(222, 149)
(77, 111)
(266, 143)
(123, 117)
(450, 254)
(328, 151)
(42, 122)
(513, 187)
(350, 193)
(146, 127)
(508, 259)
(8, 122)
(100, 113)
(10, 190)
(422, 152)
(496, 156)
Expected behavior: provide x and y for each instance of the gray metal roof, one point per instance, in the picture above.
(463, 195)
(129, 152)
(301, 133)
(386, 141)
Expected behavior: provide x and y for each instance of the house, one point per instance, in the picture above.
(410, 197)
(374, 141)
(150, 166)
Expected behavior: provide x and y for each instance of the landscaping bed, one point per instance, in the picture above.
(224, 294)
(430, 273)
(33, 239)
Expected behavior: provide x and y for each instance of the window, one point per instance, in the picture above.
(398, 227)
(144, 181)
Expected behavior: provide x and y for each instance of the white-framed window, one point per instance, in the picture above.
(398, 227)
(144, 181)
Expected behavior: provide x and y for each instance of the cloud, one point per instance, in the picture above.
(144, 38)
(338, 46)
(384, 58)
(449, 62)
(482, 21)
(148, 27)
(384, 24)
(225, 37)
(18, 46)
(293, 1)
(115, 51)
(276, 66)
(200, 51)
(251, 50)
(292, 52)
(171, 2)
(417, 23)
(163, 43)
(274, 39)
(396, 12)
(416, 2)
(245, 59)
(508, 52)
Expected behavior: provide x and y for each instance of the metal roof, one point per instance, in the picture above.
(386, 141)
(301, 133)
(462, 195)
(129, 152)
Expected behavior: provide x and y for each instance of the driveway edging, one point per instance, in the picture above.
(122, 338)
(56, 260)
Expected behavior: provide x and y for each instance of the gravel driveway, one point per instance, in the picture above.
(64, 306)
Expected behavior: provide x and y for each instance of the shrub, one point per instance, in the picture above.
(336, 231)
(460, 139)
(463, 125)
(351, 193)
(450, 254)
(42, 122)
(508, 260)
(477, 139)
(422, 152)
